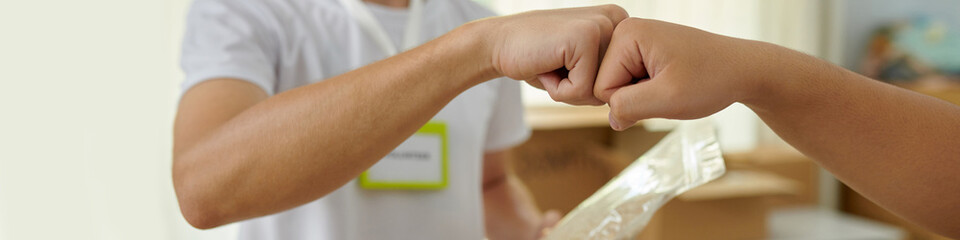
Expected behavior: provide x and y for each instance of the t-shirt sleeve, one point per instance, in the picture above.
(506, 127)
(227, 39)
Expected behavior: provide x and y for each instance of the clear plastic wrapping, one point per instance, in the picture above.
(686, 158)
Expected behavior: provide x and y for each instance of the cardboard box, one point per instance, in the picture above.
(734, 206)
(568, 156)
(564, 167)
(633, 142)
(561, 168)
(785, 162)
(573, 152)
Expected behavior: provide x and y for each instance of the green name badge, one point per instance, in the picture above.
(419, 163)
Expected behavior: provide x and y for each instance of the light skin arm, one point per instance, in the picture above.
(509, 209)
(240, 154)
(896, 147)
(246, 155)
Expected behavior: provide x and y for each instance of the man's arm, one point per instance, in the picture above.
(896, 147)
(239, 154)
(509, 209)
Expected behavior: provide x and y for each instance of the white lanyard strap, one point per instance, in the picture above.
(364, 18)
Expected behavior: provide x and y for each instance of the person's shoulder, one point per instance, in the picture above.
(251, 6)
(273, 14)
(261, 3)
(228, 3)
(233, 7)
(470, 9)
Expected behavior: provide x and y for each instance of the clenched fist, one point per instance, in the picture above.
(655, 69)
(556, 50)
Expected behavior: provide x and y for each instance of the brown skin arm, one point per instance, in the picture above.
(896, 147)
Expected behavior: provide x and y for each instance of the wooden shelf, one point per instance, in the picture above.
(566, 117)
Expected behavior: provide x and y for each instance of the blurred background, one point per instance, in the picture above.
(90, 89)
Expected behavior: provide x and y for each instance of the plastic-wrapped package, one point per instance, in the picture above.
(686, 158)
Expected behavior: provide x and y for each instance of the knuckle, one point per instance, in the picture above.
(586, 29)
(633, 23)
(609, 25)
(566, 96)
(586, 92)
(585, 95)
(556, 96)
(592, 31)
(574, 95)
(583, 23)
(614, 11)
(600, 94)
(627, 27)
(605, 25)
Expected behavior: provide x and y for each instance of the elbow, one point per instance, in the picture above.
(198, 210)
(200, 219)
(495, 182)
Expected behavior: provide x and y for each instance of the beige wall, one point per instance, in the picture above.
(89, 90)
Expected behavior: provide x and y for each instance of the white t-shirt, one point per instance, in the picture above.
(283, 44)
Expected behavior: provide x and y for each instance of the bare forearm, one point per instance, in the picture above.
(894, 146)
(304, 143)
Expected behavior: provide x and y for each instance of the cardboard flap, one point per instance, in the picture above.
(766, 155)
(742, 183)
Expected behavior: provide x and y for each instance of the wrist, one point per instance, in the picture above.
(773, 66)
(470, 50)
(787, 78)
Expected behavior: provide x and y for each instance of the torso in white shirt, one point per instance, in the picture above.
(284, 44)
